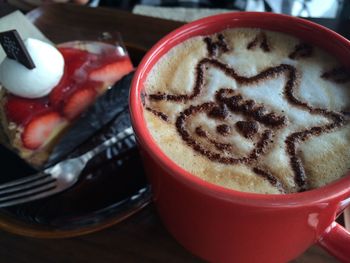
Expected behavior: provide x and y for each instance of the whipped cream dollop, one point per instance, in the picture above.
(37, 82)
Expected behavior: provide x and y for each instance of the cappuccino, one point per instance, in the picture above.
(251, 110)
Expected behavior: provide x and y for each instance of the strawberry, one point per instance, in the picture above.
(78, 102)
(112, 72)
(20, 110)
(62, 90)
(75, 58)
(69, 52)
(39, 129)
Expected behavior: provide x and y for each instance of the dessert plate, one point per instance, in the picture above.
(113, 185)
(111, 188)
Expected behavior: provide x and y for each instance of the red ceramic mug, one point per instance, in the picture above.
(222, 225)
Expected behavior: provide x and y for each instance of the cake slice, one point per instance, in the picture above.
(32, 123)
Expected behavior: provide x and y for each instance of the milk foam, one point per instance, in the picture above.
(323, 154)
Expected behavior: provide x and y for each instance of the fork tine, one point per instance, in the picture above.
(45, 187)
(26, 199)
(44, 183)
(129, 131)
(125, 134)
(30, 184)
(24, 180)
(129, 141)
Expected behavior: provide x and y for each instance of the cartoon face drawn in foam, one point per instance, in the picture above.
(213, 127)
(217, 129)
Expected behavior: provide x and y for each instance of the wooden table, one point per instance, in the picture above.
(141, 238)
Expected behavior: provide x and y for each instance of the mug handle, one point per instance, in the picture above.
(336, 240)
(346, 214)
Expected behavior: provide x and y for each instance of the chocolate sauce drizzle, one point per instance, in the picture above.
(247, 128)
(223, 129)
(262, 39)
(200, 132)
(301, 50)
(249, 108)
(229, 100)
(159, 114)
(293, 139)
(185, 116)
(338, 75)
(218, 145)
(199, 81)
(215, 47)
(272, 179)
(228, 71)
(219, 112)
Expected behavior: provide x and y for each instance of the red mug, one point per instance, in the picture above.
(223, 225)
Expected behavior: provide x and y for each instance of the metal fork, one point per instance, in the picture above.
(57, 178)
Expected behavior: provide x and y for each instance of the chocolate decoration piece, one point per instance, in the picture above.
(214, 47)
(15, 49)
(247, 128)
(338, 75)
(264, 45)
(301, 50)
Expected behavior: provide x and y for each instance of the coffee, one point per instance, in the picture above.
(251, 110)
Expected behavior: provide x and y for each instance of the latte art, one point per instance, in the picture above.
(251, 110)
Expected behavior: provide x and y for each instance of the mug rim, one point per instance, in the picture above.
(337, 188)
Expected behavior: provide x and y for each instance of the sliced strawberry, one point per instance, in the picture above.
(74, 75)
(75, 58)
(39, 129)
(69, 52)
(78, 102)
(63, 89)
(112, 72)
(20, 110)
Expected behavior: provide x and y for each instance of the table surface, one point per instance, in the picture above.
(141, 238)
